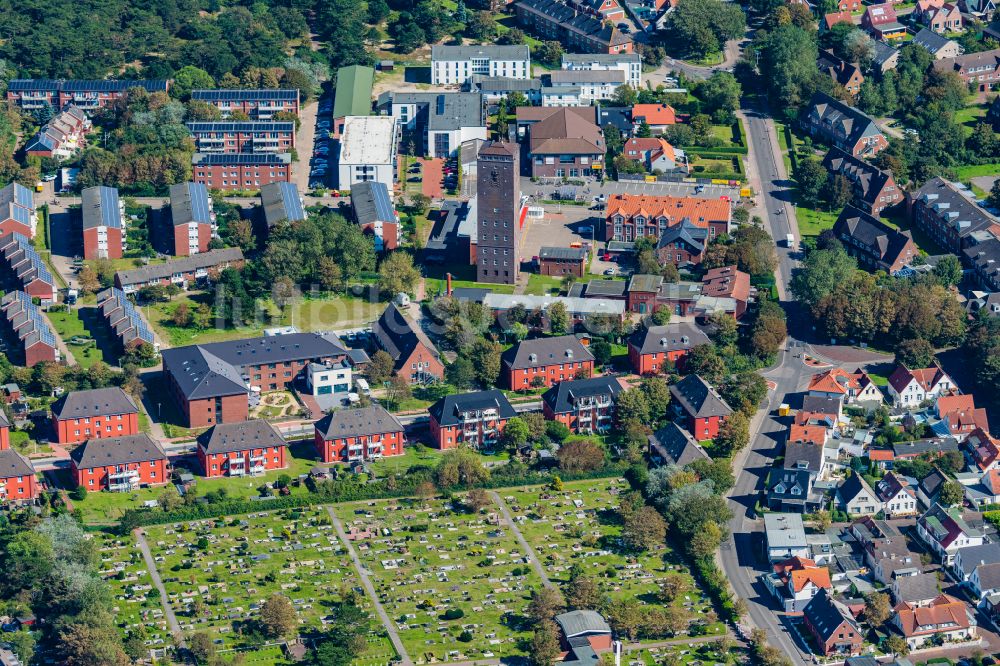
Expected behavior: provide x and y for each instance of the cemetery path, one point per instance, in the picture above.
(175, 626)
(389, 625)
(532, 557)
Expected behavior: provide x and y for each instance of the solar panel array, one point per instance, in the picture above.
(248, 126)
(85, 85)
(200, 209)
(136, 326)
(29, 265)
(19, 303)
(239, 159)
(291, 202)
(241, 95)
(100, 207)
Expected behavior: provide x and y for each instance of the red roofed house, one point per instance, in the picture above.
(909, 388)
(943, 18)
(83, 415)
(702, 407)
(348, 435)
(882, 23)
(658, 116)
(17, 478)
(629, 216)
(239, 449)
(4, 432)
(809, 433)
(848, 5)
(833, 19)
(985, 449)
(657, 348)
(946, 618)
(961, 414)
(654, 153)
(851, 387)
(120, 464)
(544, 362)
(728, 282)
(796, 581)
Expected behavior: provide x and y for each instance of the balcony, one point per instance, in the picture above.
(125, 481)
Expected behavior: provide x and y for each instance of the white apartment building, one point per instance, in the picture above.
(367, 151)
(454, 65)
(629, 63)
(593, 85)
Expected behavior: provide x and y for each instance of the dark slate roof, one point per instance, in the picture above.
(189, 202)
(582, 622)
(13, 463)
(210, 370)
(606, 288)
(869, 232)
(984, 257)
(399, 336)
(974, 556)
(546, 351)
(560, 397)
(948, 202)
(179, 266)
(687, 231)
(803, 455)
(676, 445)
(372, 203)
(372, 420)
(117, 451)
(930, 40)
(95, 402)
(100, 207)
(820, 404)
(845, 119)
(492, 51)
(698, 398)
(562, 253)
(577, 23)
(853, 486)
(82, 85)
(616, 116)
(4, 422)
(446, 411)
(240, 95)
(883, 53)
(867, 178)
(825, 615)
(442, 111)
(670, 337)
(793, 485)
(241, 436)
(922, 446)
(922, 587)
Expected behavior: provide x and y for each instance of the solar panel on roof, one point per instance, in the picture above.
(23, 196)
(291, 202)
(230, 95)
(226, 159)
(248, 126)
(199, 203)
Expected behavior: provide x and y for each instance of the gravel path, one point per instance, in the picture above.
(172, 622)
(532, 557)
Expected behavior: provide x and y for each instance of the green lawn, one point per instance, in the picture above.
(813, 222)
(439, 285)
(543, 285)
(68, 325)
(976, 170)
(970, 116)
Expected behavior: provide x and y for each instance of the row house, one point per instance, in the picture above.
(631, 216)
(832, 626)
(60, 137)
(125, 320)
(18, 483)
(563, 142)
(700, 405)
(945, 618)
(473, 419)
(945, 531)
(585, 406)
(256, 104)
(243, 137)
(795, 581)
(374, 213)
(241, 171)
(192, 217)
(210, 383)
(948, 213)
(93, 414)
(31, 94)
(850, 387)
(23, 263)
(980, 70)
(249, 448)
(413, 354)
(983, 258)
(658, 349)
(909, 388)
(104, 223)
(578, 31)
(876, 246)
(629, 63)
(545, 362)
(873, 189)
(181, 272)
(120, 464)
(358, 435)
(843, 126)
(455, 65)
(24, 320)
(17, 211)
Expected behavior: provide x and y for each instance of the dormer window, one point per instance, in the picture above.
(532, 358)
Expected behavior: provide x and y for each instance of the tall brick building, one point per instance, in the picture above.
(354, 435)
(239, 449)
(103, 223)
(120, 464)
(499, 213)
(94, 414)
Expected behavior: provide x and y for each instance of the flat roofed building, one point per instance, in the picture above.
(437, 123)
(367, 151)
(257, 104)
(630, 63)
(454, 65)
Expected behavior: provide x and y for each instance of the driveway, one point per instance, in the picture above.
(304, 141)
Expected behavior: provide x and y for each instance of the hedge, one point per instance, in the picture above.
(720, 151)
(716, 586)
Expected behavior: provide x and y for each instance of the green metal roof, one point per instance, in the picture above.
(353, 96)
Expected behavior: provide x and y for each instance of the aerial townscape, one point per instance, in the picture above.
(482, 332)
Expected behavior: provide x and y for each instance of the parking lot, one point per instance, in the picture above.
(593, 189)
(321, 159)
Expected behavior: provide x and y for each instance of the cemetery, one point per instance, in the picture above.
(454, 580)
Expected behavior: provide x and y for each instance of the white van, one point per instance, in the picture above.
(362, 387)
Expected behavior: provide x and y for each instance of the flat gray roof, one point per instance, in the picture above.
(784, 530)
(493, 52)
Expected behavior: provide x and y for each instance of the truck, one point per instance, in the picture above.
(71, 296)
(789, 241)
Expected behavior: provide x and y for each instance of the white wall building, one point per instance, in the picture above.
(594, 85)
(454, 65)
(438, 123)
(367, 151)
(328, 379)
(629, 63)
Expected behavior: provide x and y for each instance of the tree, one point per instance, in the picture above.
(558, 318)
(672, 586)
(602, 351)
(201, 646)
(952, 493)
(329, 274)
(661, 316)
(720, 95)
(549, 53)
(182, 316)
(582, 455)
(545, 648)
(485, 357)
(278, 618)
(896, 645)
(398, 390)
(719, 472)
(744, 391)
(734, 434)
(477, 499)
(994, 197)
(461, 374)
(915, 353)
(657, 395)
(811, 178)
(397, 273)
(557, 431)
(877, 608)
(644, 530)
(515, 433)
(381, 367)
(632, 408)
(460, 467)
(378, 11)
(787, 65)
(582, 593)
(822, 273)
(545, 604)
(700, 27)
(190, 78)
(482, 26)
(706, 540)
(89, 284)
(948, 270)
(86, 642)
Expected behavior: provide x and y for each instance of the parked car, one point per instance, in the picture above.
(587, 229)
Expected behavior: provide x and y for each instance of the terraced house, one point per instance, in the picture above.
(243, 137)
(358, 435)
(631, 216)
(950, 215)
(24, 321)
(474, 419)
(181, 272)
(241, 449)
(241, 171)
(17, 211)
(875, 245)
(257, 104)
(873, 189)
(588, 32)
(981, 70)
(24, 265)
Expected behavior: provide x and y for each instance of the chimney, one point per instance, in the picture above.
(448, 292)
